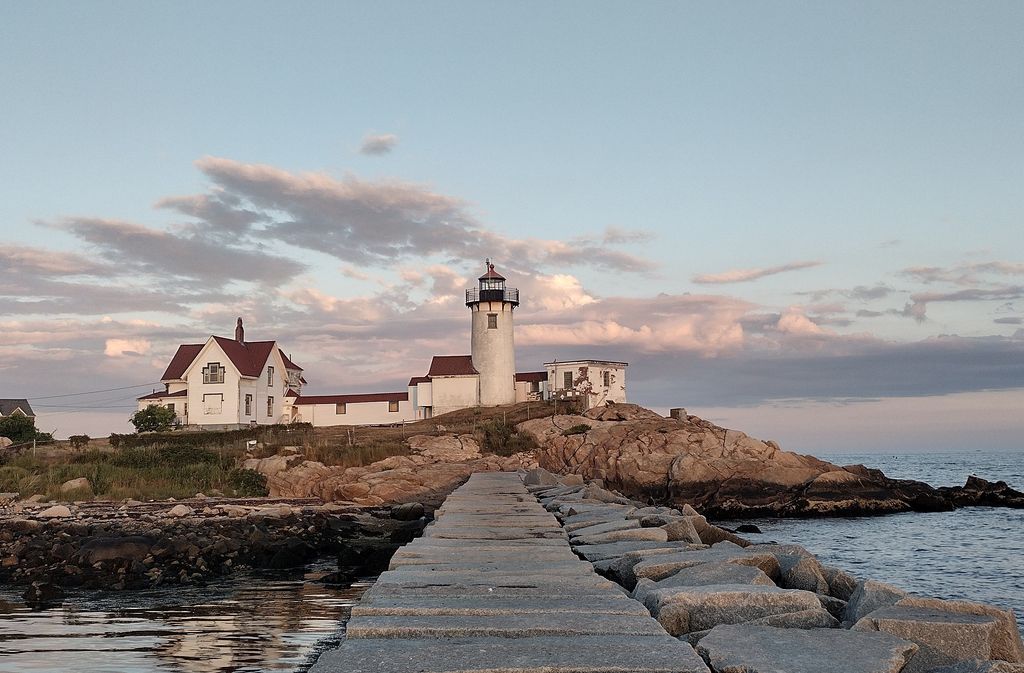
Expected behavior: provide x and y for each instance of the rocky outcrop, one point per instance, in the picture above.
(725, 473)
(435, 466)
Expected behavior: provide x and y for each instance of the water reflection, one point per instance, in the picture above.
(251, 622)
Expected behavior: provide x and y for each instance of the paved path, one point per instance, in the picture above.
(493, 587)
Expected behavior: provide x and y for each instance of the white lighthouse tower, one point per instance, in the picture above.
(493, 349)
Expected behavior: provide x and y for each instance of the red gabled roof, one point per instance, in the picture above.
(531, 377)
(291, 393)
(419, 379)
(452, 365)
(352, 399)
(288, 364)
(247, 356)
(184, 356)
(157, 396)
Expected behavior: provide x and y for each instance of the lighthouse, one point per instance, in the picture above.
(493, 349)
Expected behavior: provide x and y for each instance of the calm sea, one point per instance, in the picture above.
(258, 622)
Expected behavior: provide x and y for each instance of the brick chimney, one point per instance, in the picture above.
(239, 331)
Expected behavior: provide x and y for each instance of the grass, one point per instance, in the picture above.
(156, 466)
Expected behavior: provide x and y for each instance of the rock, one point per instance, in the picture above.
(815, 618)
(703, 607)
(605, 527)
(55, 512)
(834, 606)
(943, 637)
(42, 592)
(650, 592)
(409, 511)
(980, 666)
(79, 484)
(765, 649)
(180, 511)
(291, 554)
(1006, 642)
(800, 572)
(747, 528)
(131, 548)
(541, 477)
(635, 534)
(868, 597)
(570, 480)
(38, 497)
(661, 567)
(841, 584)
(683, 530)
(5, 442)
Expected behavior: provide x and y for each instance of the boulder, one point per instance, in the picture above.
(55, 512)
(409, 511)
(180, 511)
(1006, 642)
(79, 484)
(703, 607)
(682, 529)
(633, 534)
(943, 637)
(605, 527)
(540, 477)
(765, 649)
(841, 584)
(868, 597)
(650, 592)
(127, 548)
(814, 618)
(662, 566)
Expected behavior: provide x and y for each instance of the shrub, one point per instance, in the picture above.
(20, 429)
(247, 482)
(152, 418)
(78, 441)
(502, 439)
(577, 429)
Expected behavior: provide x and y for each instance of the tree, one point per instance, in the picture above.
(20, 429)
(154, 417)
(78, 441)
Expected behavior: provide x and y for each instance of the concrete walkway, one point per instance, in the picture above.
(493, 587)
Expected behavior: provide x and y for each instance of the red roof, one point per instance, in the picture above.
(157, 396)
(247, 356)
(352, 399)
(184, 356)
(530, 377)
(419, 379)
(491, 274)
(291, 393)
(452, 365)
(288, 364)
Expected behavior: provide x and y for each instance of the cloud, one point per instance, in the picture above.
(964, 274)
(191, 255)
(16, 260)
(745, 275)
(376, 144)
(381, 222)
(618, 235)
(121, 347)
(1009, 321)
(918, 305)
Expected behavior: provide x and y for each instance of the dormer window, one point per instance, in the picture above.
(270, 376)
(213, 373)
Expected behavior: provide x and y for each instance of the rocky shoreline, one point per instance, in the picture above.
(140, 545)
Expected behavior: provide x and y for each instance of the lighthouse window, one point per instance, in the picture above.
(492, 321)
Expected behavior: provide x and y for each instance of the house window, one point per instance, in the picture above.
(393, 405)
(534, 386)
(213, 404)
(185, 411)
(567, 379)
(339, 408)
(492, 321)
(270, 406)
(248, 405)
(171, 406)
(607, 378)
(213, 373)
(270, 376)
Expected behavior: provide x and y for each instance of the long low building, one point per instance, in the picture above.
(359, 409)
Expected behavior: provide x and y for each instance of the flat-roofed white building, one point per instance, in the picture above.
(595, 381)
(357, 409)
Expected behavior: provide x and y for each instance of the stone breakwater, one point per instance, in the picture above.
(139, 545)
(760, 608)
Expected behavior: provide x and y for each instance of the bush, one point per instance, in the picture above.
(578, 429)
(155, 417)
(20, 429)
(502, 439)
(248, 483)
(78, 441)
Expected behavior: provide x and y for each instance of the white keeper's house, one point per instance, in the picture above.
(227, 383)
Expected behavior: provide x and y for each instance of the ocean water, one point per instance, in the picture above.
(247, 623)
(974, 553)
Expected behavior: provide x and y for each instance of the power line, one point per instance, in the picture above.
(93, 392)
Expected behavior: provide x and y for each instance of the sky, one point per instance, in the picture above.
(802, 220)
